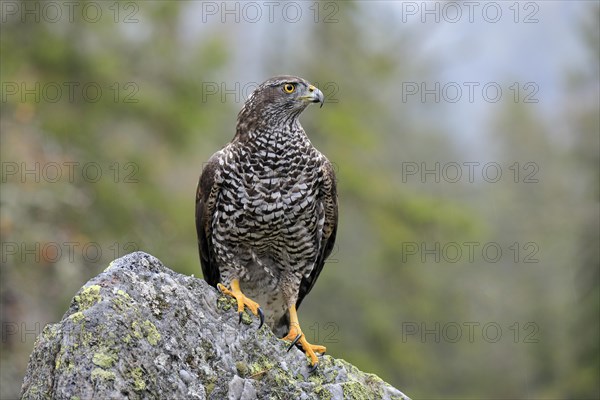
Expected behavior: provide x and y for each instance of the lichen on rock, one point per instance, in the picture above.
(139, 330)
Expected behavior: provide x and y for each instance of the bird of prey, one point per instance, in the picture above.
(267, 211)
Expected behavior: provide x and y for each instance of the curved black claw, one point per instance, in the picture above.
(294, 341)
(261, 315)
(240, 319)
(313, 368)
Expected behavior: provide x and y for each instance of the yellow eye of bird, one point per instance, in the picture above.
(289, 88)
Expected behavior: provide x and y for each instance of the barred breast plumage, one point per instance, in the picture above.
(266, 205)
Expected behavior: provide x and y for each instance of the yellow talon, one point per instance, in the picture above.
(242, 300)
(295, 335)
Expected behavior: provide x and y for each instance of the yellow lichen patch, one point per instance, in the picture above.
(137, 330)
(50, 331)
(242, 368)
(225, 303)
(59, 358)
(146, 329)
(284, 381)
(356, 390)
(246, 319)
(210, 386)
(322, 393)
(122, 300)
(77, 317)
(139, 383)
(104, 359)
(123, 293)
(260, 368)
(152, 333)
(88, 297)
(98, 374)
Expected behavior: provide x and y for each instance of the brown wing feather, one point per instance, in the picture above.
(204, 210)
(329, 231)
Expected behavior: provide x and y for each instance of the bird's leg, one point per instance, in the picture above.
(296, 336)
(242, 300)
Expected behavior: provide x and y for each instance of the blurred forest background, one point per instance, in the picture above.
(109, 110)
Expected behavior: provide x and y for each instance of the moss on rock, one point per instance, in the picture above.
(142, 331)
(146, 329)
(88, 297)
(77, 317)
(358, 391)
(137, 375)
(322, 393)
(104, 359)
(99, 374)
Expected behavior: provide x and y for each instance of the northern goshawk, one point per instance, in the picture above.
(266, 209)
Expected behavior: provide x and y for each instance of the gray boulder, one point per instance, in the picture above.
(141, 331)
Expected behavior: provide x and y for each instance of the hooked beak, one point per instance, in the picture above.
(314, 95)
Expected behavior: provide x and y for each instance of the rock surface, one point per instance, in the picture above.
(141, 331)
